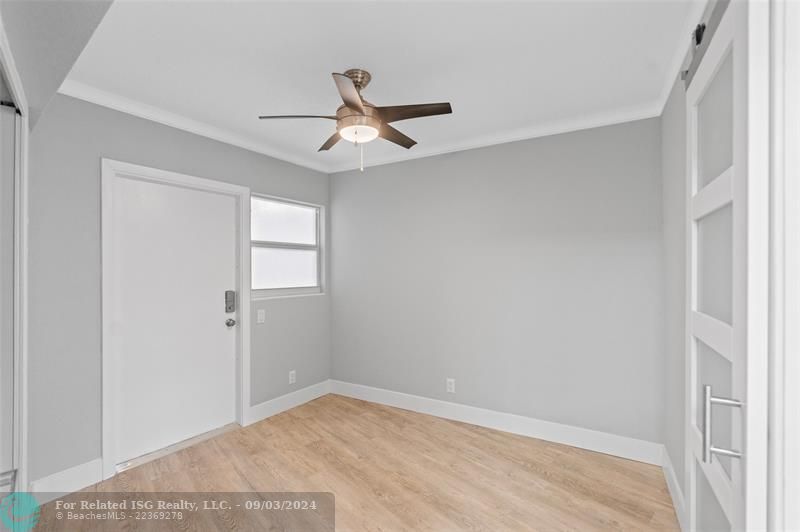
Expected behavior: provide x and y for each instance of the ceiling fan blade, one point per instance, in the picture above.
(330, 142)
(329, 117)
(393, 113)
(348, 92)
(392, 135)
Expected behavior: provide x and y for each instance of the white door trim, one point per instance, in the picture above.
(784, 467)
(17, 90)
(112, 170)
(756, 437)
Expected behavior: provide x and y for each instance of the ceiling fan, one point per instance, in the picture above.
(359, 121)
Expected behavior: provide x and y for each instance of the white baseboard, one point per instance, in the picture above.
(67, 481)
(603, 442)
(84, 475)
(285, 402)
(675, 491)
(621, 446)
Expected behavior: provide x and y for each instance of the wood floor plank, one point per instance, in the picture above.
(393, 469)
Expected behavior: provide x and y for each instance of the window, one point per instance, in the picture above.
(284, 247)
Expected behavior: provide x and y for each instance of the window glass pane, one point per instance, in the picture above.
(715, 264)
(283, 268)
(710, 515)
(715, 125)
(282, 222)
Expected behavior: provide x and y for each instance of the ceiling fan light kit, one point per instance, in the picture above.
(358, 128)
(358, 121)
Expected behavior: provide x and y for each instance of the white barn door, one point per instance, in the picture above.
(727, 271)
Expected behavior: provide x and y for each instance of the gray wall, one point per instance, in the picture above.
(530, 272)
(64, 364)
(673, 168)
(46, 37)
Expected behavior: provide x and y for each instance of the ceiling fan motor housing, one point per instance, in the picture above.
(361, 78)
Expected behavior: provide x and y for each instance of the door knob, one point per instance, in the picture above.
(230, 322)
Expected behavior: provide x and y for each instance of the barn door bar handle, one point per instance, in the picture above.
(708, 401)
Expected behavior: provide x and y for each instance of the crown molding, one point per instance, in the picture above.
(122, 104)
(87, 93)
(14, 80)
(557, 127)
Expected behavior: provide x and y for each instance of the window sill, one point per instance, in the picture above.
(278, 293)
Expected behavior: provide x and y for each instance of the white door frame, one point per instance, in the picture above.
(15, 86)
(112, 170)
(745, 27)
(784, 464)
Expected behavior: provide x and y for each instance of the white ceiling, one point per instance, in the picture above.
(511, 70)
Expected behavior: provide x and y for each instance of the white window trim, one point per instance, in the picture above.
(319, 289)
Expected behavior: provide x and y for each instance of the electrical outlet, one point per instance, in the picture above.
(451, 385)
(262, 315)
(292, 377)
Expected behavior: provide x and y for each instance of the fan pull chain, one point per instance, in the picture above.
(362, 157)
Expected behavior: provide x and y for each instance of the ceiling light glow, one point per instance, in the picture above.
(359, 134)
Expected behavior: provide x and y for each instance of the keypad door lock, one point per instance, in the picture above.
(230, 301)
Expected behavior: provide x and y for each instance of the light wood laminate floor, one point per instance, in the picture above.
(393, 469)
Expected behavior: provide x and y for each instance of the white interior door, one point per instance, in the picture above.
(726, 351)
(173, 255)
